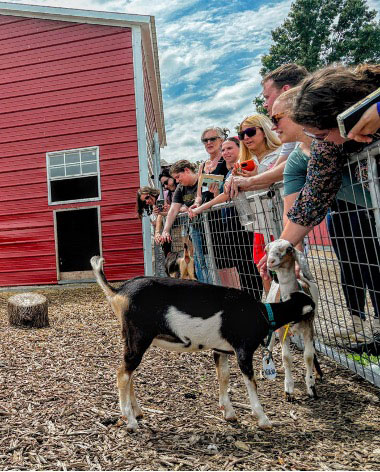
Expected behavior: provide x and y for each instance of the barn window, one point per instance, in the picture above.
(73, 175)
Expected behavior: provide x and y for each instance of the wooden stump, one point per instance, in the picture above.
(29, 310)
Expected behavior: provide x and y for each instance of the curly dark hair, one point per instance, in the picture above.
(143, 206)
(329, 91)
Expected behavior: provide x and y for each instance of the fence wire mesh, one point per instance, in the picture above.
(343, 253)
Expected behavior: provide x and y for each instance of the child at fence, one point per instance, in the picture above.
(185, 174)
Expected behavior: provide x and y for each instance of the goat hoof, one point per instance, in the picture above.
(314, 393)
(132, 427)
(289, 397)
(230, 418)
(265, 424)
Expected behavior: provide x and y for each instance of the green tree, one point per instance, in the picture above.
(321, 32)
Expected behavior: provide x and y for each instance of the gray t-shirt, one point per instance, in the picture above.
(185, 195)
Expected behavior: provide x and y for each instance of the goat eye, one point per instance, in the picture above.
(289, 250)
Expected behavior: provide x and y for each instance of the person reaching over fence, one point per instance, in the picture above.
(323, 96)
(259, 143)
(186, 175)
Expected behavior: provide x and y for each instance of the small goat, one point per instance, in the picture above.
(187, 316)
(180, 264)
(281, 258)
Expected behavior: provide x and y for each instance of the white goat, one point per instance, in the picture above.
(281, 258)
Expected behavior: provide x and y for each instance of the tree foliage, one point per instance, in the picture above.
(320, 32)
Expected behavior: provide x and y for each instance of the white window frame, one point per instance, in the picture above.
(97, 173)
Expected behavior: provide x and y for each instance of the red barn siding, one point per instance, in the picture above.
(64, 86)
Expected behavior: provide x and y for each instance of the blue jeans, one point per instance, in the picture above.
(201, 269)
(353, 236)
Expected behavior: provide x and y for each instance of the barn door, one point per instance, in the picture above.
(77, 233)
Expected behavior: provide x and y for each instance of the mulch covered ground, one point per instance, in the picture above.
(59, 406)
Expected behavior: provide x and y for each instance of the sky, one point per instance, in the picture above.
(209, 52)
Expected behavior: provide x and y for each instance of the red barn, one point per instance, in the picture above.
(81, 126)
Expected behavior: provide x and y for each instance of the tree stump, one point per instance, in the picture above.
(29, 310)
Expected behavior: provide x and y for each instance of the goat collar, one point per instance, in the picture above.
(271, 322)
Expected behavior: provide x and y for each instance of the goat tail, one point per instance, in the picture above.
(97, 266)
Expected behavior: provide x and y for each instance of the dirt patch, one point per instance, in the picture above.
(59, 407)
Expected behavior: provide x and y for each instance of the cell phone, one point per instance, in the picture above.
(348, 118)
(248, 165)
(160, 204)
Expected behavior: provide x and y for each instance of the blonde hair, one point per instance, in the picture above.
(287, 98)
(271, 139)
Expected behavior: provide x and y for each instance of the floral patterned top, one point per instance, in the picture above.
(323, 181)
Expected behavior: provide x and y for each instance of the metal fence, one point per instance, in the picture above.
(343, 254)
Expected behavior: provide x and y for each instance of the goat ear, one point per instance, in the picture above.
(290, 249)
(304, 266)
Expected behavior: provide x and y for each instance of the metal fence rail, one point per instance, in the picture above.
(343, 253)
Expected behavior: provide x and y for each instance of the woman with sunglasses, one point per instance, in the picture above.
(260, 143)
(212, 138)
(146, 202)
(168, 184)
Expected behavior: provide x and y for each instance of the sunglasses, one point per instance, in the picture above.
(249, 132)
(165, 182)
(277, 117)
(145, 198)
(212, 139)
(318, 137)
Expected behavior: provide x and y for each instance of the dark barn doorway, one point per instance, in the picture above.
(78, 241)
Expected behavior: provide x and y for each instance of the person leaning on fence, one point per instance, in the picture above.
(212, 138)
(186, 175)
(260, 143)
(296, 164)
(146, 200)
(168, 185)
(274, 84)
(235, 242)
(322, 96)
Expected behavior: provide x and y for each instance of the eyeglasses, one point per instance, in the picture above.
(212, 139)
(249, 132)
(277, 117)
(318, 137)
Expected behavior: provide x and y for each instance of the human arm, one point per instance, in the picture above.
(256, 182)
(369, 123)
(172, 214)
(221, 198)
(323, 180)
(157, 229)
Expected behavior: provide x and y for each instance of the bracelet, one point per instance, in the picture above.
(378, 108)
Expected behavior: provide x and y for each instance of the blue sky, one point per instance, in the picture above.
(209, 54)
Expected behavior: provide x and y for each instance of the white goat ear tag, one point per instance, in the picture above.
(269, 370)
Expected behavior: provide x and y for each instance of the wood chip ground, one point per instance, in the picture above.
(59, 406)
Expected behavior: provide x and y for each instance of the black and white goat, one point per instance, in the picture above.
(281, 258)
(186, 316)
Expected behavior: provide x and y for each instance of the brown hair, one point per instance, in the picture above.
(143, 206)
(287, 74)
(329, 91)
(181, 165)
